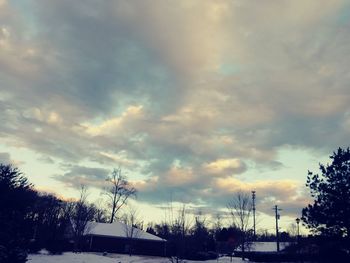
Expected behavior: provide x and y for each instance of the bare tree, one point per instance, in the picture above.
(132, 228)
(217, 224)
(181, 223)
(80, 213)
(240, 209)
(293, 231)
(118, 192)
(180, 226)
(101, 215)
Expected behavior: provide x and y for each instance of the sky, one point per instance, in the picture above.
(193, 100)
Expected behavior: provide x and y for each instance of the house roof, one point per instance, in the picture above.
(120, 230)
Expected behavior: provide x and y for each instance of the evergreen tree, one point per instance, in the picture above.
(330, 212)
(16, 201)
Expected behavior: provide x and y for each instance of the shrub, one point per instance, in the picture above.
(12, 255)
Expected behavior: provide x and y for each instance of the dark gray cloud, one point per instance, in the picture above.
(76, 176)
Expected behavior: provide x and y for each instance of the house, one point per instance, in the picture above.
(266, 246)
(121, 238)
(266, 252)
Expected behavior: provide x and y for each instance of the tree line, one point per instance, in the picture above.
(31, 220)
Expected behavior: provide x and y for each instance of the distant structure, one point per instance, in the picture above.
(115, 237)
(254, 225)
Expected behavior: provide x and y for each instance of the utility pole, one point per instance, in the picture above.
(253, 197)
(298, 236)
(277, 216)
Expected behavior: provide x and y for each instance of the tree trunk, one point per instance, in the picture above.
(243, 247)
(112, 214)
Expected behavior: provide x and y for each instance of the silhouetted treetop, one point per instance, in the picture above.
(330, 212)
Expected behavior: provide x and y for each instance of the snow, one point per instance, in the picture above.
(117, 229)
(69, 258)
(111, 258)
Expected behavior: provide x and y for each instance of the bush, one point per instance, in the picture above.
(14, 255)
(55, 247)
(3, 254)
(34, 246)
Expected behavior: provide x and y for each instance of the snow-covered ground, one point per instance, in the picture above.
(110, 258)
(121, 258)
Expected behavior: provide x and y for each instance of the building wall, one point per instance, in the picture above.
(123, 245)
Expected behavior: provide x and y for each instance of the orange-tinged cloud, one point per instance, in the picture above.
(178, 176)
(281, 188)
(146, 185)
(110, 126)
(43, 115)
(222, 167)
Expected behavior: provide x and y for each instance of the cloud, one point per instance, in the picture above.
(187, 96)
(224, 166)
(46, 159)
(115, 125)
(216, 193)
(285, 193)
(76, 176)
(5, 158)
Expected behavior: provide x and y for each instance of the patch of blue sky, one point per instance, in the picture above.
(295, 164)
(344, 15)
(25, 8)
(229, 69)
